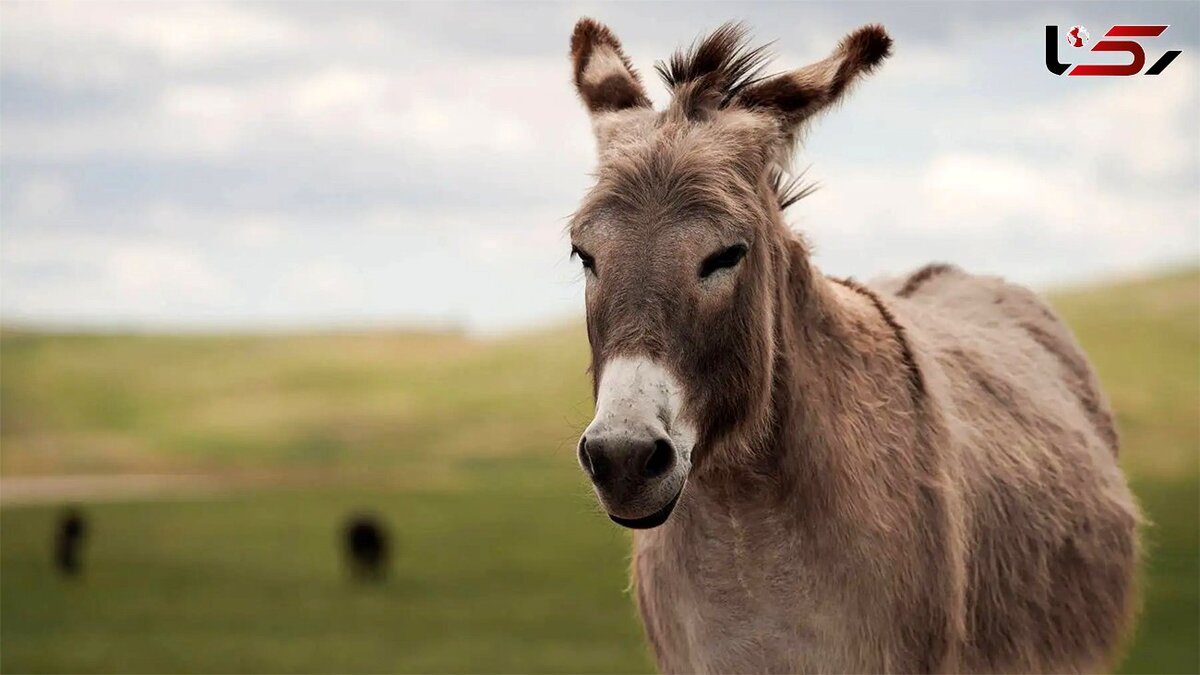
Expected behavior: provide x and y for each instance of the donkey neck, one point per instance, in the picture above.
(837, 347)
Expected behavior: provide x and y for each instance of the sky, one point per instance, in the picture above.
(212, 166)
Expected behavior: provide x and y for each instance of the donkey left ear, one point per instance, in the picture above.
(796, 96)
(603, 75)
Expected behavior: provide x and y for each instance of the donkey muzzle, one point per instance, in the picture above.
(636, 451)
(632, 474)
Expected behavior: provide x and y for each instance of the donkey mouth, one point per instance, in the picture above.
(653, 520)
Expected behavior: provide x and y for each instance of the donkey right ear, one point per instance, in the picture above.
(796, 96)
(604, 77)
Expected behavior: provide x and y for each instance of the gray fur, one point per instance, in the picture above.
(915, 475)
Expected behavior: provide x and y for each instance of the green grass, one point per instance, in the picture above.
(391, 404)
(488, 579)
(465, 447)
(1144, 338)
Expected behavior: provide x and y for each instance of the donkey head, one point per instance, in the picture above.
(685, 252)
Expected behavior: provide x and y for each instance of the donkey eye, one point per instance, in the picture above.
(589, 263)
(722, 259)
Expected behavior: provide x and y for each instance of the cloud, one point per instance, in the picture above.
(439, 113)
(105, 43)
(1084, 181)
(41, 197)
(160, 270)
(324, 279)
(259, 231)
(105, 278)
(185, 163)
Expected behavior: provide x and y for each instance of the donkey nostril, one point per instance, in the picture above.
(660, 460)
(594, 462)
(585, 458)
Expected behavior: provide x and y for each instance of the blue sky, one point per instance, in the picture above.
(273, 165)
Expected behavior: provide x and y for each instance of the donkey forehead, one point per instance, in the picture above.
(631, 236)
(723, 136)
(675, 207)
(663, 173)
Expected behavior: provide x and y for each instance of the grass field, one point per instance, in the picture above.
(464, 446)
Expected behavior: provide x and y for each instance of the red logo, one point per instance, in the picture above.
(1078, 36)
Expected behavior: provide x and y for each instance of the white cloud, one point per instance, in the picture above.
(1085, 198)
(967, 191)
(324, 279)
(926, 66)
(175, 162)
(259, 230)
(42, 197)
(1143, 124)
(160, 270)
(88, 43)
(97, 277)
(444, 112)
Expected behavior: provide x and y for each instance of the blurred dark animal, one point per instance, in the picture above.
(366, 548)
(68, 542)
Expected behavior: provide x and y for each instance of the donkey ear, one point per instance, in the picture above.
(796, 96)
(603, 75)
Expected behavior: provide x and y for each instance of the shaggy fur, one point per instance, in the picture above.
(707, 76)
(919, 277)
(917, 475)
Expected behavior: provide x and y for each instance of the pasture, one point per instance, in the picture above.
(465, 446)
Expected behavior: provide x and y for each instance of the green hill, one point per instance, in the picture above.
(464, 445)
(381, 405)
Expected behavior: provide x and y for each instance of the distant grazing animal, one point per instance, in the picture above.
(69, 538)
(917, 475)
(367, 549)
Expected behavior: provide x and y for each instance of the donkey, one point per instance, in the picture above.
(918, 475)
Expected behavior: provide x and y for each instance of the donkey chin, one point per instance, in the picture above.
(638, 449)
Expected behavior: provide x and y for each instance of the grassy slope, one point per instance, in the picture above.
(1144, 338)
(505, 564)
(389, 404)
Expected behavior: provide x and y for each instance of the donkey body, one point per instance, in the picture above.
(973, 520)
(917, 475)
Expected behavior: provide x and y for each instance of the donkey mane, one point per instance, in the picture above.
(916, 379)
(790, 189)
(713, 70)
(711, 73)
(717, 72)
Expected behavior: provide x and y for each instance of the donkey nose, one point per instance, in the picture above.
(620, 458)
